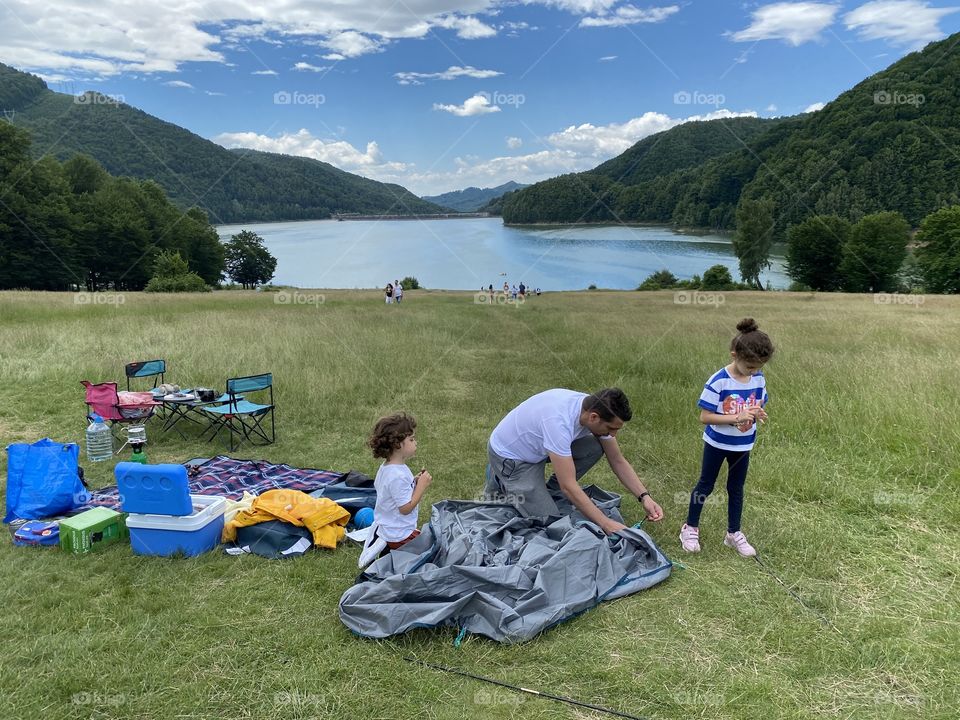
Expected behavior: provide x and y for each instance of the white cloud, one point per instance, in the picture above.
(572, 149)
(910, 23)
(340, 153)
(479, 104)
(265, 72)
(351, 44)
(815, 107)
(468, 28)
(514, 142)
(771, 108)
(630, 15)
(179, 84)
(793, 22)
(307, 67)
(214, 94)
(451, 73)
(608, 58)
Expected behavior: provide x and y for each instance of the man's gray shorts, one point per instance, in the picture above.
(523, 484)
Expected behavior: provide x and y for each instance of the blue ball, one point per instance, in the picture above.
(363, 518)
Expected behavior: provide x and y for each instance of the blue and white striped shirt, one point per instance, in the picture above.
(726, 396)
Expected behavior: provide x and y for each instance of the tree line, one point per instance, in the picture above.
(72, 225)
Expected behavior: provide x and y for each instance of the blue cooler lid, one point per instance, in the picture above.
(153, 489)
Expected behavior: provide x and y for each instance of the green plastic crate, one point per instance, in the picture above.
(92, 530)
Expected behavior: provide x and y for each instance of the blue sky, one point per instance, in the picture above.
(441, 95)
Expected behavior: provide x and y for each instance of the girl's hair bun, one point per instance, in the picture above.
(747, 325)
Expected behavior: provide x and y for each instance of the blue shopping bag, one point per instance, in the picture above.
(43, 480)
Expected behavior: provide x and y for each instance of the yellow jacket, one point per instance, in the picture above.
(322, 517)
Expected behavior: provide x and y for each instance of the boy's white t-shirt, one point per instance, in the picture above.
(394, 485)
(548, 422)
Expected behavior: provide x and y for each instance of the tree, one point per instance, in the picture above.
(754, 238)
(660, 280)
(815, 249)
(248, 261)
(172, 274)
(874, 253)
(938, 251)
(717, 277)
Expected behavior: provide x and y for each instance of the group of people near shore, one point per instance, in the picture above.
(571, 431)
(512, 292)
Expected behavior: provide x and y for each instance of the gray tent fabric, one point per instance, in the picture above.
(485, 569)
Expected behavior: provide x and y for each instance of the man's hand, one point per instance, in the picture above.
(654, 511)
(611, 526)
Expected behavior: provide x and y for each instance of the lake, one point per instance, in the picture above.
(470, 253)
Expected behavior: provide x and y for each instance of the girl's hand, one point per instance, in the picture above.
(424, 478)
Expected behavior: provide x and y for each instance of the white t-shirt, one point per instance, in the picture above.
(398, 290)
(394, 485)
(548, 422)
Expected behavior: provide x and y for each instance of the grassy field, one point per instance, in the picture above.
(851, 499)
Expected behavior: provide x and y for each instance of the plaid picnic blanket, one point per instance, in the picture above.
(228, 477)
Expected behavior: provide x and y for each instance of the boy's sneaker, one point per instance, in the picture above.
(738, 541)
(690, 538)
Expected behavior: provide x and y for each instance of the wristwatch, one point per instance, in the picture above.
(642, 495)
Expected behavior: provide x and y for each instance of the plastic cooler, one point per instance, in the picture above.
(191, 534)
(153, 489)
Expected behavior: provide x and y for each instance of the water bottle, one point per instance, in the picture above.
(99, 440)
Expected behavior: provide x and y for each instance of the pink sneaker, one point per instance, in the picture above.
(738, 541)
(690, 538)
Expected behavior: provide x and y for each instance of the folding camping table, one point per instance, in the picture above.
(187, 408)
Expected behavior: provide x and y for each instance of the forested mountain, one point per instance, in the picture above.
(472, 199)
(230, 185)
(890, 143)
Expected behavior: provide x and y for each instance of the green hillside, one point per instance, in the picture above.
(231, 185)
(889, 143)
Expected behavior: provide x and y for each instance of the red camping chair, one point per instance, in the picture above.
(134, 408)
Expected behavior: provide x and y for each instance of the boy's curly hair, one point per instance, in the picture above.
(390, 432)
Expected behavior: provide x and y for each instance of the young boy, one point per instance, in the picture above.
(398, 491)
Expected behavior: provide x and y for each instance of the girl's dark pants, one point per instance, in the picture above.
(737, 463)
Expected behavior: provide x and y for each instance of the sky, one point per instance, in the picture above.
(440, 95)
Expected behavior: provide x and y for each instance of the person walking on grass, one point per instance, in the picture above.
(388, 294)
(731, 405)
(571, 430)
(398, 291)
(398, 490)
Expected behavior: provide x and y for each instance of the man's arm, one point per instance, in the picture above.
(566, 473)
(628, 477)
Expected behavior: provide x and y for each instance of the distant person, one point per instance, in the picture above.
(538, 292)
(570, 430)
(398, 490)
(506, 289)
(731, 405)
(513, 292)
(388, 293)
(398, 291)
(490, 289)
(523, 290)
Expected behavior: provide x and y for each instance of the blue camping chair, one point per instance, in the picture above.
(240, 416)
(148, 369)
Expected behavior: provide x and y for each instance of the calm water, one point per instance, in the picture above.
(470, 253)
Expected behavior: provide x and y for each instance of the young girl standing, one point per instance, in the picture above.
(731, 405)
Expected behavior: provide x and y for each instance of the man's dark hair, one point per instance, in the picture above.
(608, 404)
(389, 433)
